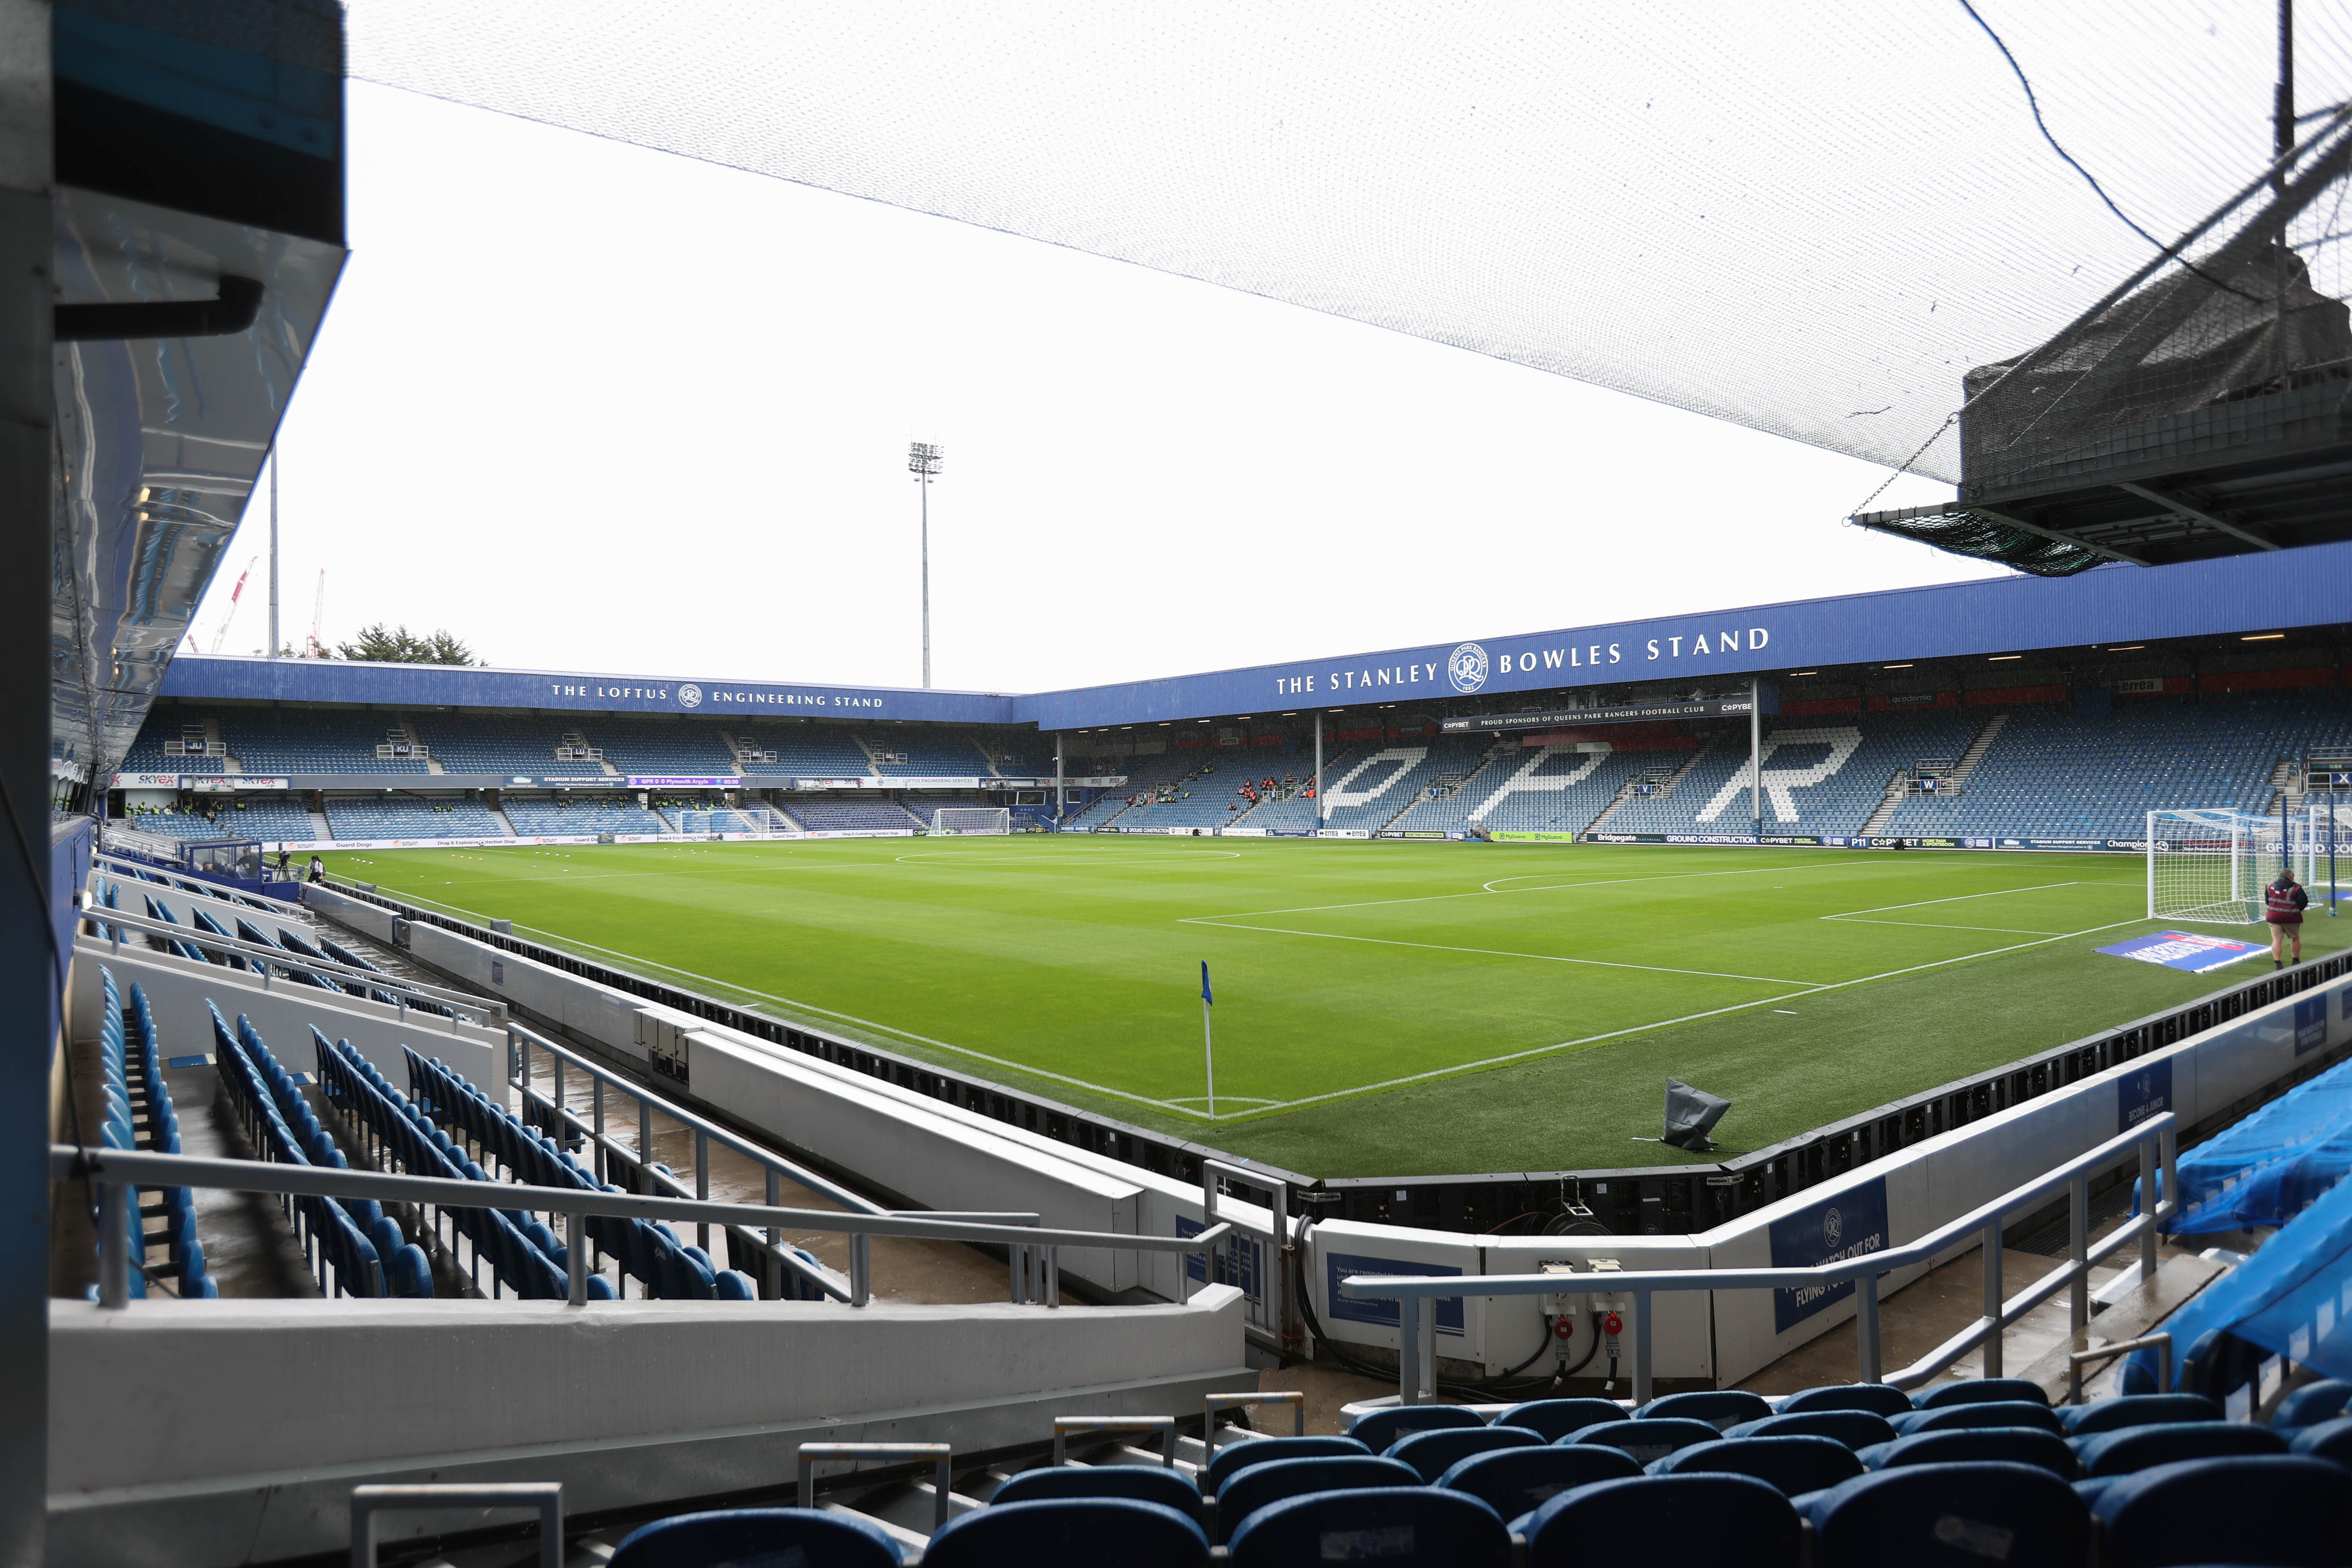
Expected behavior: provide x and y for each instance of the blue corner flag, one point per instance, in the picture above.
(1204, 983)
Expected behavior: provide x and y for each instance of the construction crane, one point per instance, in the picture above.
(221, 635)
(317, 617)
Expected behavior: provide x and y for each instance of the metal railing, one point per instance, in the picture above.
(2155, 1139)
(270, 959)
(1267, 1313)
(114, 1169)
(1027, 1262)
(545, 1498)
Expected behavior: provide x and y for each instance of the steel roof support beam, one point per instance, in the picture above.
(2183, 507)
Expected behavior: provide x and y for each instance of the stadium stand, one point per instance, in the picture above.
(854, 815)
(138, 1115)
(909, 753)
(657, 746)
(298, 741)
(1821, 774)
(1145, 775)
(2053, 773)
(490, 742)
(1541, 789)
(411, 816)
(553, 815)
(802, 751)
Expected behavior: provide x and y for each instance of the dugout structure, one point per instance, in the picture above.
(966, 821)
(2210, 866)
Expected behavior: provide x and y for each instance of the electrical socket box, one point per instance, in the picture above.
(1564, 1303)
(1609, 1300)
(664, 1040)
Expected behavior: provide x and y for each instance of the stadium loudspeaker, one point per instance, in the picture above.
(1691, 1115)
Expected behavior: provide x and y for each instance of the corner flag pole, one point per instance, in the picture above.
(1208, 1042)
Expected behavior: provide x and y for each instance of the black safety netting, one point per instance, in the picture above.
(1813, 220)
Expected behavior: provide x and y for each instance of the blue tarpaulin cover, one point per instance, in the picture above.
(2294, 1298)
(2270, 1167)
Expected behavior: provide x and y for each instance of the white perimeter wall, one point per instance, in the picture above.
(274, 1410)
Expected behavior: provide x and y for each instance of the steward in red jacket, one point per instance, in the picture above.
(2284, 902)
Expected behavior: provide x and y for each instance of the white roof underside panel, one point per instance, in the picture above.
(1809, 219)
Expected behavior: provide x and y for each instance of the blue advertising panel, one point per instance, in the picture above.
(2143, 1092)
(1372, 1309)
(1851, 1225)
(2311, 1022)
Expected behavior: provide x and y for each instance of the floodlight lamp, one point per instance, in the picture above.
(923, 458)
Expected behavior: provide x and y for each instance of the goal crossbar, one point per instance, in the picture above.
(962, 821)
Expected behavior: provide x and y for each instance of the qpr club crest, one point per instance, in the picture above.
(690, 695)
(1832, 1227)
(1466, 667)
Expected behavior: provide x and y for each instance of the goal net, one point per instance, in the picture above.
(2206, 866)
(969, 819)
(2210, 866)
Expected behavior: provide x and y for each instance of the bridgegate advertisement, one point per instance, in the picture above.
(1851, 1225)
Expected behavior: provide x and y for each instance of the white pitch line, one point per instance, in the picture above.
(1219, 924)
(1955, 898)
(1686, 1018)
(1937, 925)
(1490, 889)
(847, 1017)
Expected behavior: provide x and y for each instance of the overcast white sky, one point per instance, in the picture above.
(599, 408)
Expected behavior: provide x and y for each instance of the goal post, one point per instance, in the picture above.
(964, 821)
(2207, 867)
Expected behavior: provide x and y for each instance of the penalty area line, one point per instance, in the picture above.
(1222, 923)
(1504, 1060)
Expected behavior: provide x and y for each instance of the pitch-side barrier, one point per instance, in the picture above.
(1632, 1295)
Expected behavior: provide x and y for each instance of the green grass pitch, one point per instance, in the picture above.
(1384, 1007)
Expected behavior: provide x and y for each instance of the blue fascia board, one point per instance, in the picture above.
(2272, 591)
(317, 680)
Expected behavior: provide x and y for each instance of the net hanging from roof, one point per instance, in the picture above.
(1809, 220)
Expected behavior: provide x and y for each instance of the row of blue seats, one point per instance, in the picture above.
(329, 948)
(2282, 1509)
(354, 1247)
(650, 1252)
(524, 1256)
(119, 1041)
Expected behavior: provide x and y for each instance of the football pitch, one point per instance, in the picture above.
(1381, 1007)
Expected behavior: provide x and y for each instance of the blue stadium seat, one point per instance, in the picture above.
(2282, 1509)
(1875, 1397)
(744, 1535)
(1723, 1521)
(1376, 1430)
(1142, 1483)
(1234, 1457)
(1262, 1486)
(1518, 1480)
(1989, 1413)
(1972, 1445)
(1962, 1516)
(1406, 1527)
(1791, 1466)
(1556, 1418)
(1855, 1428)
(2313, 1403)
(2143, 1447)
(1647, 1441)
(1980, 1390)
(1069, 1532)
(1432, 1454)
(2138, 1410)
(2330, 1440)
(1719, 1408)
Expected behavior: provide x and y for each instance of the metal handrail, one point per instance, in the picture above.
(143, 1168)
(522, 1040)
(545, 1497)
(283, 958)
(123, 865)
(2155, 1138)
